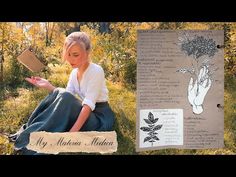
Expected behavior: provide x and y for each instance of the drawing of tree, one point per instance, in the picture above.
(151, 129)
(202, 50)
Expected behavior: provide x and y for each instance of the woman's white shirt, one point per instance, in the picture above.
(92, 87)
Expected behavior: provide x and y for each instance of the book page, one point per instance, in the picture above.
(180, 89)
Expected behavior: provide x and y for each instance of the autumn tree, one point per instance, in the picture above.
(4, 35)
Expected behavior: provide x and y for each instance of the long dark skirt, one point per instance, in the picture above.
(58, 113)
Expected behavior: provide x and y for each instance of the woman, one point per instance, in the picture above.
(61, 111)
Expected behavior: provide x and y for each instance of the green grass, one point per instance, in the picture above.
(15, 108)
(17, 105)
(123, 103)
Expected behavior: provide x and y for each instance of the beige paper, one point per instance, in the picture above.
(30, 61)
(91, 142)
(180, 71)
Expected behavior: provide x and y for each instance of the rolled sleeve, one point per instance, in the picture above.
(89, 103)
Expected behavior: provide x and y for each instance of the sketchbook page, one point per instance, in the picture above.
(180, 89)
(30, 61)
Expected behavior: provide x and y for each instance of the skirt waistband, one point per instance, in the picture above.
(102, 103)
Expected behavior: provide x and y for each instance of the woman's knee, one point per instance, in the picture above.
(66, 95)
(91, 124)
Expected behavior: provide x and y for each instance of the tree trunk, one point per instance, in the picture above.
(104, 27)
(52, 30)
(2, 58)
(47, 31)
(1, 70)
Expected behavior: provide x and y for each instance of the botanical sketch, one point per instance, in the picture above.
(151, 129)
(202, 50)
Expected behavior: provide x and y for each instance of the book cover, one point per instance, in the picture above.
(30, 61)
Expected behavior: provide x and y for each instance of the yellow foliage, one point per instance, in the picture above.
(6, 148)
(60, 75)
(196, 26)
(97, 50)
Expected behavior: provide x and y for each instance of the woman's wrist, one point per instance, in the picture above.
(197, 109)
(51, 88)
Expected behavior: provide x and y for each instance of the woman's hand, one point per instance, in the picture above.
(74, 129)
(198, 90)
(41, 83)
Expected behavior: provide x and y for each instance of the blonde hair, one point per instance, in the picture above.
(80, 38)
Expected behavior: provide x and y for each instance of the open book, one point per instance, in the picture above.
(30, 61)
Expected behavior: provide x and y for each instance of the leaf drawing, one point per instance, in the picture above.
(147, 138)
(147, 121)
(155, 120)
(151, 117)
(158, 127)
(151, 129)
(146, 129)
(155, 138)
